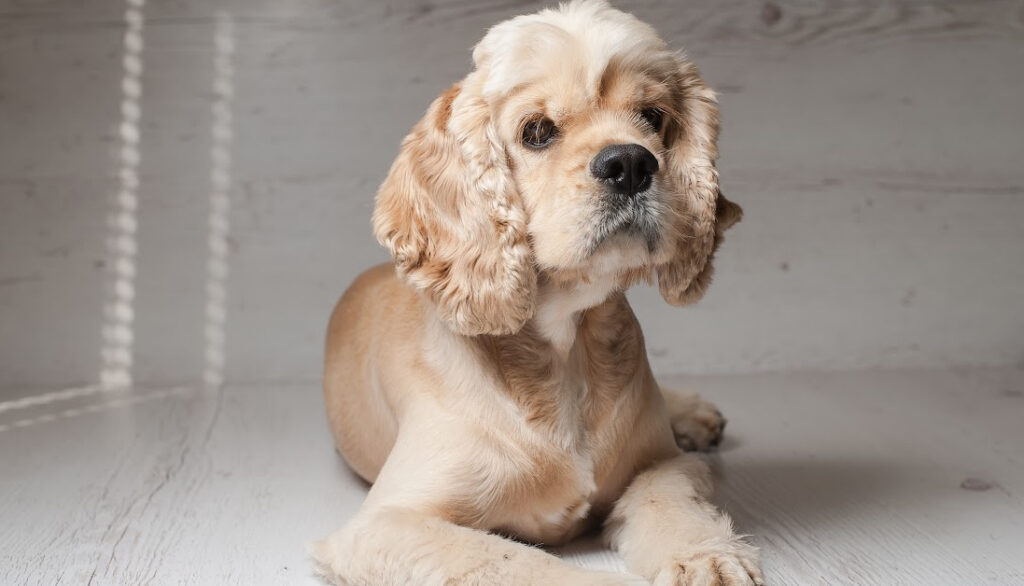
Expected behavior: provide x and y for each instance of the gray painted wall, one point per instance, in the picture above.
(878, 148)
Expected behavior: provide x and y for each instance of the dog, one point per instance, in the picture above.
(492, 382)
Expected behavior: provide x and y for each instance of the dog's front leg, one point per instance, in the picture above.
(668, 532)
(399, 546)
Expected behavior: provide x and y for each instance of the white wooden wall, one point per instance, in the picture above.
(878, 148)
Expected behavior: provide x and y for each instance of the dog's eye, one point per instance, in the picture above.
(539, 132)
(654, 117)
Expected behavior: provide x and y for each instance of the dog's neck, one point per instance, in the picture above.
(560, 306)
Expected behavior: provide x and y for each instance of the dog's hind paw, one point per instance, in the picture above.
(697, 424)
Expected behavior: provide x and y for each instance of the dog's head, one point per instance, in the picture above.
(580, 147)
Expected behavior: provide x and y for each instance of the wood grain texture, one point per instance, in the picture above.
(875, 145)
(874, 478)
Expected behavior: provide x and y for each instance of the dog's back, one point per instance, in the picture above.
(363, 424)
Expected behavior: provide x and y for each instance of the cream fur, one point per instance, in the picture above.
(494, 381)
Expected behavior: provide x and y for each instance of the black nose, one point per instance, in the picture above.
(626, 168)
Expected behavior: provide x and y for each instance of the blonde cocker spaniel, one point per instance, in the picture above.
(493, 381)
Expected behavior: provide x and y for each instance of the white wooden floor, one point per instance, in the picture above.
(905, 477)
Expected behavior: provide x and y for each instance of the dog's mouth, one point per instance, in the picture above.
(636, 217)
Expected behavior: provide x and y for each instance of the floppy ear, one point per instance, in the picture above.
(449, 214)
(703, 214)
(727, 213)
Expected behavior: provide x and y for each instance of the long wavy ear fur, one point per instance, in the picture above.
(450, 215)
(705, 214)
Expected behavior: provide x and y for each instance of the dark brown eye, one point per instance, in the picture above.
(654, 117)
(539, 132)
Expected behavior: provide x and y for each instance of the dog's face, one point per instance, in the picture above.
(588, 157)
(580, 147)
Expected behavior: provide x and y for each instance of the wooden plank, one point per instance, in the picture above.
(902, 477)
(857, 478)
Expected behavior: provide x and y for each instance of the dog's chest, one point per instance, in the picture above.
(572, 410)
(551, 499)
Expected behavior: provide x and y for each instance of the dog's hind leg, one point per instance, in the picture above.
(697, 424)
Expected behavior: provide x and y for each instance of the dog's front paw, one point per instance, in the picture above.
(697, 424)
(733, 563)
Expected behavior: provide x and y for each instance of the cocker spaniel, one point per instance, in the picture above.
(492, 383)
